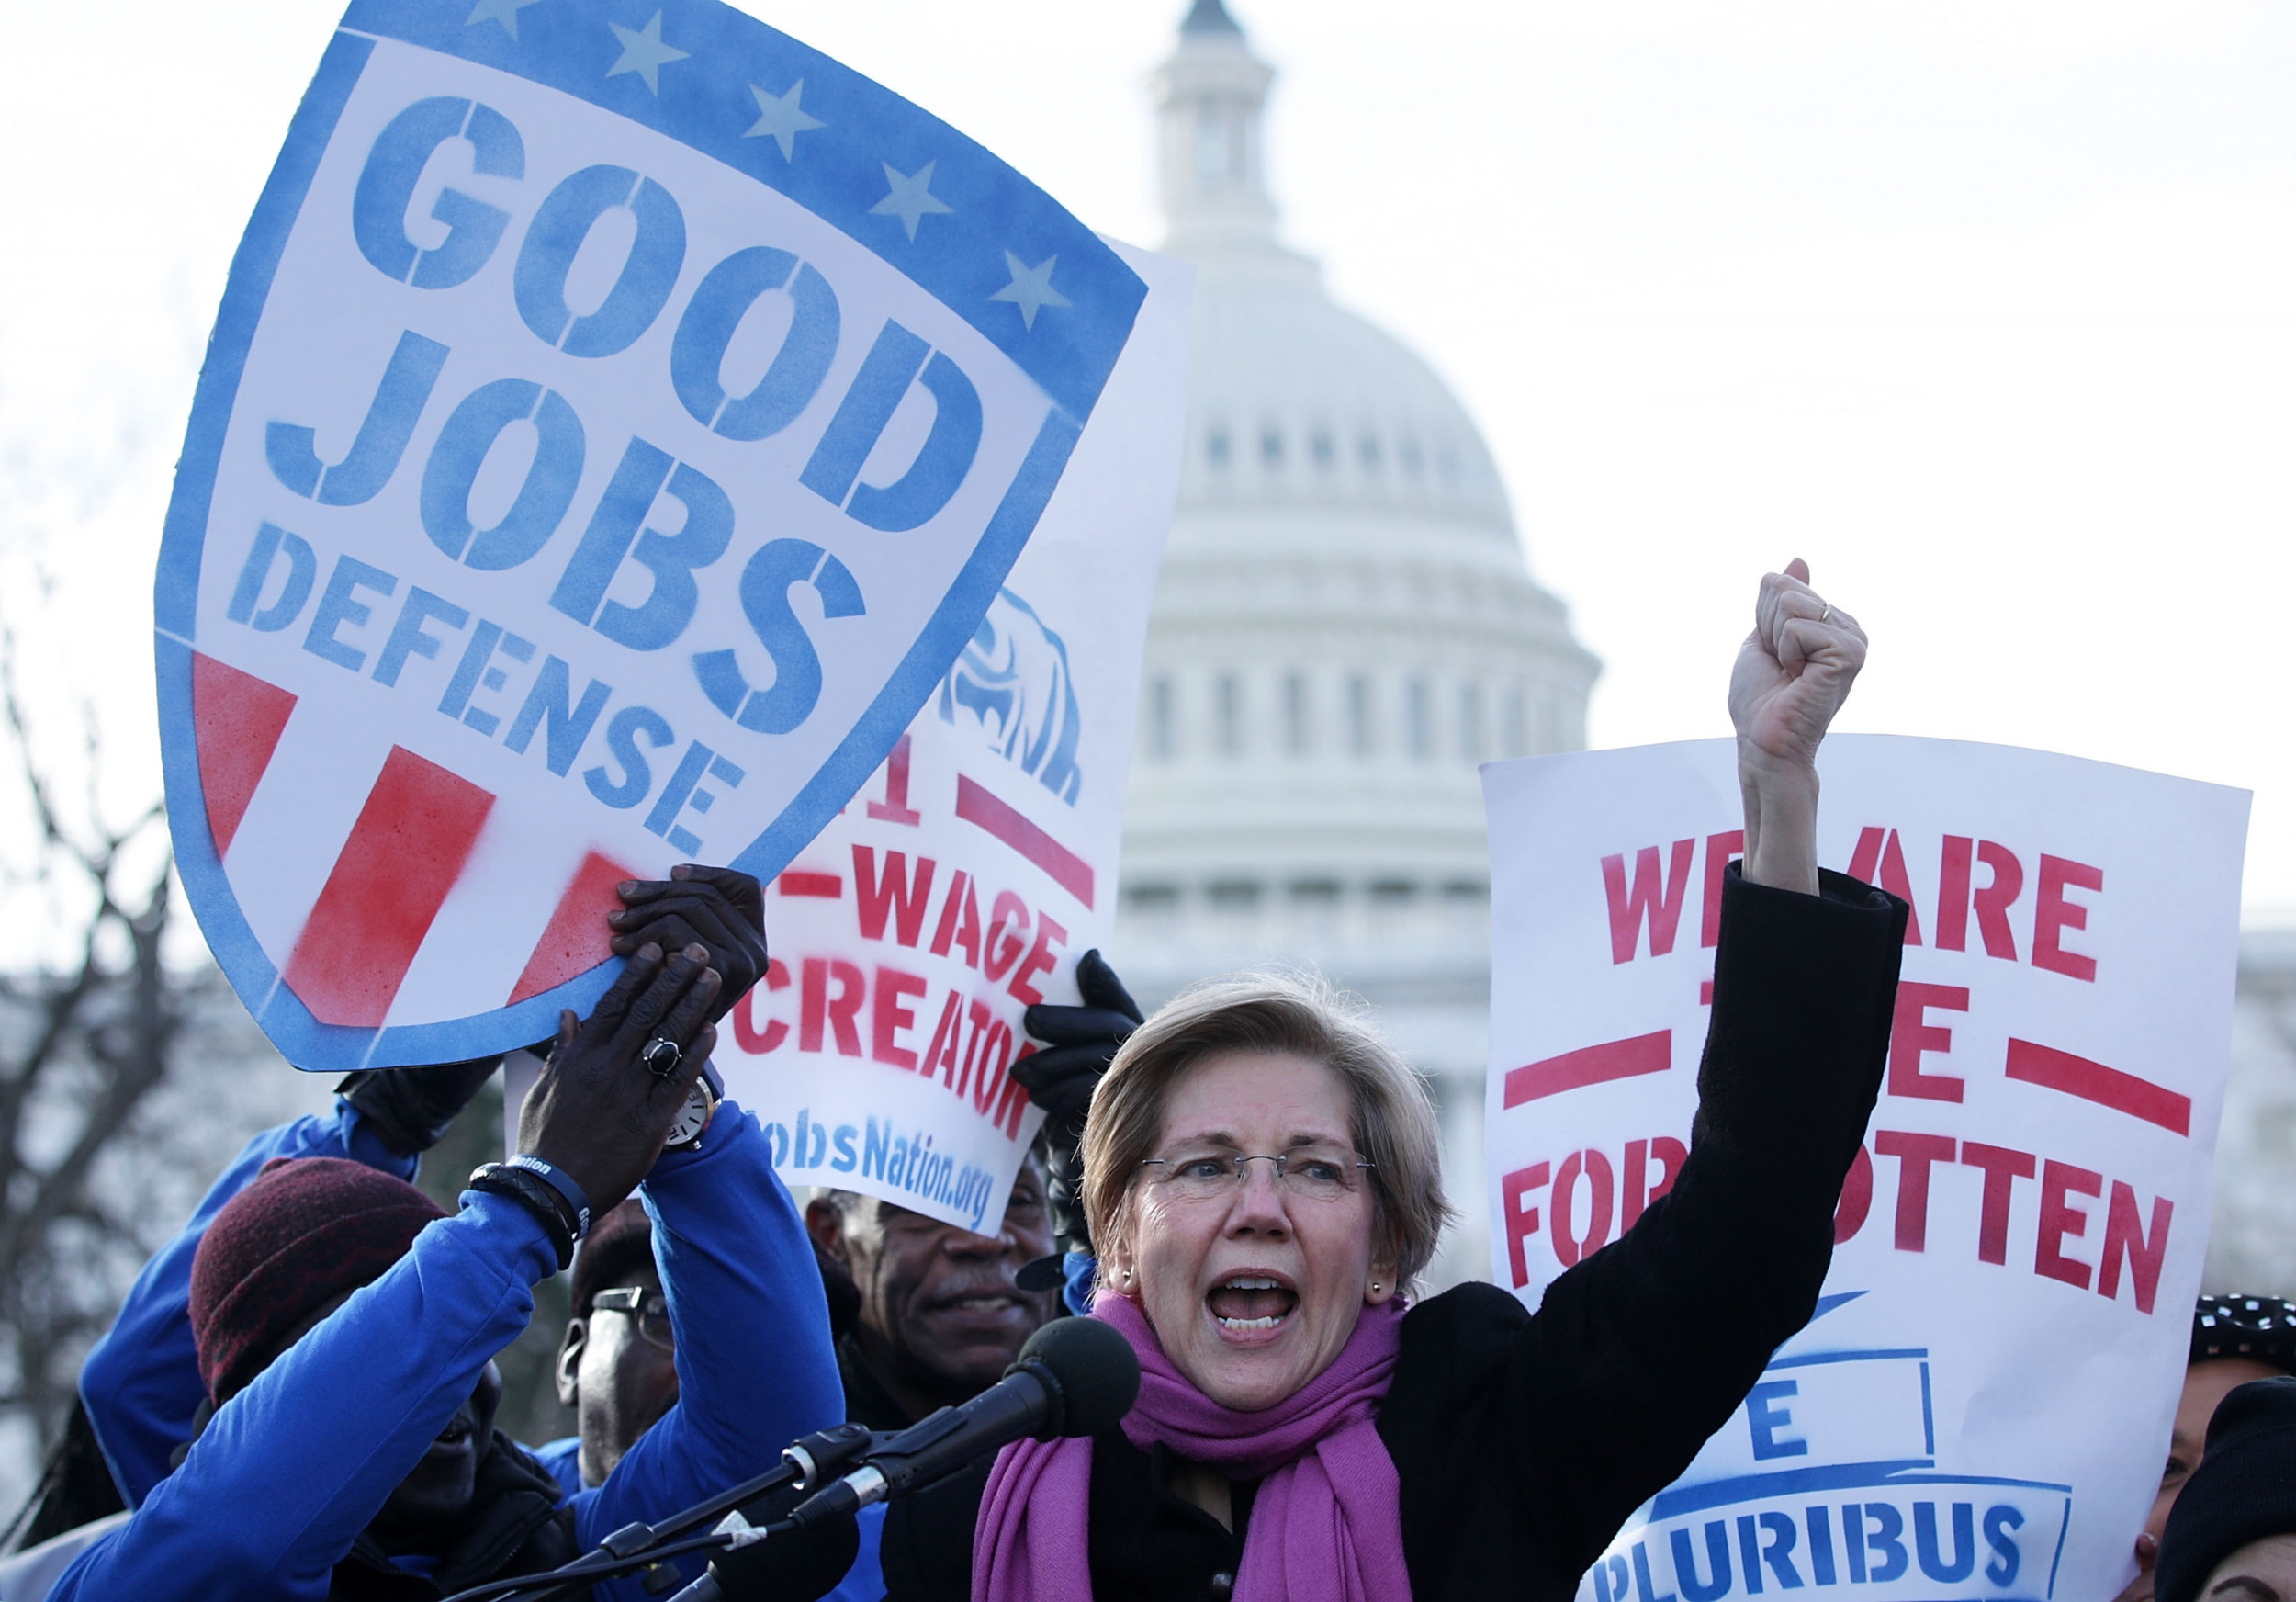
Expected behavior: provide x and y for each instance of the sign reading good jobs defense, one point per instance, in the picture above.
(619, 419)
(1980, 1407)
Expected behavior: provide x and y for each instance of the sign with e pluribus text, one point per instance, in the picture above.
(979, 861)
(618, 419)
(1981, 1405)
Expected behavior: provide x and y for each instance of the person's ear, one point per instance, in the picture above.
(1381, 1288)
(1119, 1268)
(1119, 1272)
(825, 1221)
(571, 1362)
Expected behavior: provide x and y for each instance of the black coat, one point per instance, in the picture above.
(1524, 1440)
(515, 1525)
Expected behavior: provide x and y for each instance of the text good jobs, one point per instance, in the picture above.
(610, 437)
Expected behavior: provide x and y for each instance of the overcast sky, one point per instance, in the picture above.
(1983, 306)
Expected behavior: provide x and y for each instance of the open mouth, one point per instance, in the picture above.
(1246, 1303)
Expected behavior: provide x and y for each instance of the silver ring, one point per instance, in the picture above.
(1827, 613)
(661, 1056)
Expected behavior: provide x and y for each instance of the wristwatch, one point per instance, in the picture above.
(694, 1118)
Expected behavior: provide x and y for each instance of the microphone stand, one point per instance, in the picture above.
(816, 1460)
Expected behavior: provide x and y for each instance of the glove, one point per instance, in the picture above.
(1079, 1043)
(411, 1108)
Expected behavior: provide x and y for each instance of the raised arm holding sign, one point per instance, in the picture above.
(346, 1331)
(611, 440)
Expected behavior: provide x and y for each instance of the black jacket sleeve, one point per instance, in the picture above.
(1523, 1441)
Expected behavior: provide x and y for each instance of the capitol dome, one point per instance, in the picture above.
(1344, 628)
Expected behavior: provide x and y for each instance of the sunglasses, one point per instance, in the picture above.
(651, 1308)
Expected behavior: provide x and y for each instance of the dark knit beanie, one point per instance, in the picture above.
(2260, 1327)
(2243, 1490)
(618, 1245)
(306, 1231)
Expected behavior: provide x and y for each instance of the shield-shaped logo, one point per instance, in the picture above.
(619, 419)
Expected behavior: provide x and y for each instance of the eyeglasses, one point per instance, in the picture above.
(650, 1308)
(1311, 1173)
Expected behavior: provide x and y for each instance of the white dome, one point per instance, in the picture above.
(1293, 399)
(1344, 628)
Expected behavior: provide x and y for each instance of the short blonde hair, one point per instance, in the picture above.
(1298, 1013)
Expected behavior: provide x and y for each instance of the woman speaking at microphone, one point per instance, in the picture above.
(1261, 1176)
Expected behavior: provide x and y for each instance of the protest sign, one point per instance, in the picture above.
(618, 420)
(1980, 1407)
(975, 867)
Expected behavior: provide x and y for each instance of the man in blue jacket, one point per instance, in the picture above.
(139, 1385)
(293, 1488)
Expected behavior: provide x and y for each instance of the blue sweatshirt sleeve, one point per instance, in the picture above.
(140, 1385)
(756, 1369)
(294, 1467)
(562, 1458)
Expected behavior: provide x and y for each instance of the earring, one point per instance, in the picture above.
(1375, 1287)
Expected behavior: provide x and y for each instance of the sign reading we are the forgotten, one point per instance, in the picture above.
(1981, 1405)
(619, 419)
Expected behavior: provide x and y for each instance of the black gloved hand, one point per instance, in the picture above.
(1079, 1043)
(410, 1108)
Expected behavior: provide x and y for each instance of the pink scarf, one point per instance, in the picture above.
(1326, 1524)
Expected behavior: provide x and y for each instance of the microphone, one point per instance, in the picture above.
(797, 1565)
(1076, 1376)
(805, 1464)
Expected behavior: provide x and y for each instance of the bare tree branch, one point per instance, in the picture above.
(80, 1051)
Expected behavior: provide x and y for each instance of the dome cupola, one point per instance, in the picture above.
(1211, 96)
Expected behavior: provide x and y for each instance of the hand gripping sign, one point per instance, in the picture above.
(964, 882)
(1980, 1407)
(619, 418)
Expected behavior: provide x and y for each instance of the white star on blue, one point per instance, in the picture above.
(503, 11)
(643, 53)
(1032, 288)
(909, 198)
(781, 119)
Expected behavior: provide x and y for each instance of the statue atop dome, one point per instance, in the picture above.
(1210, 17)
